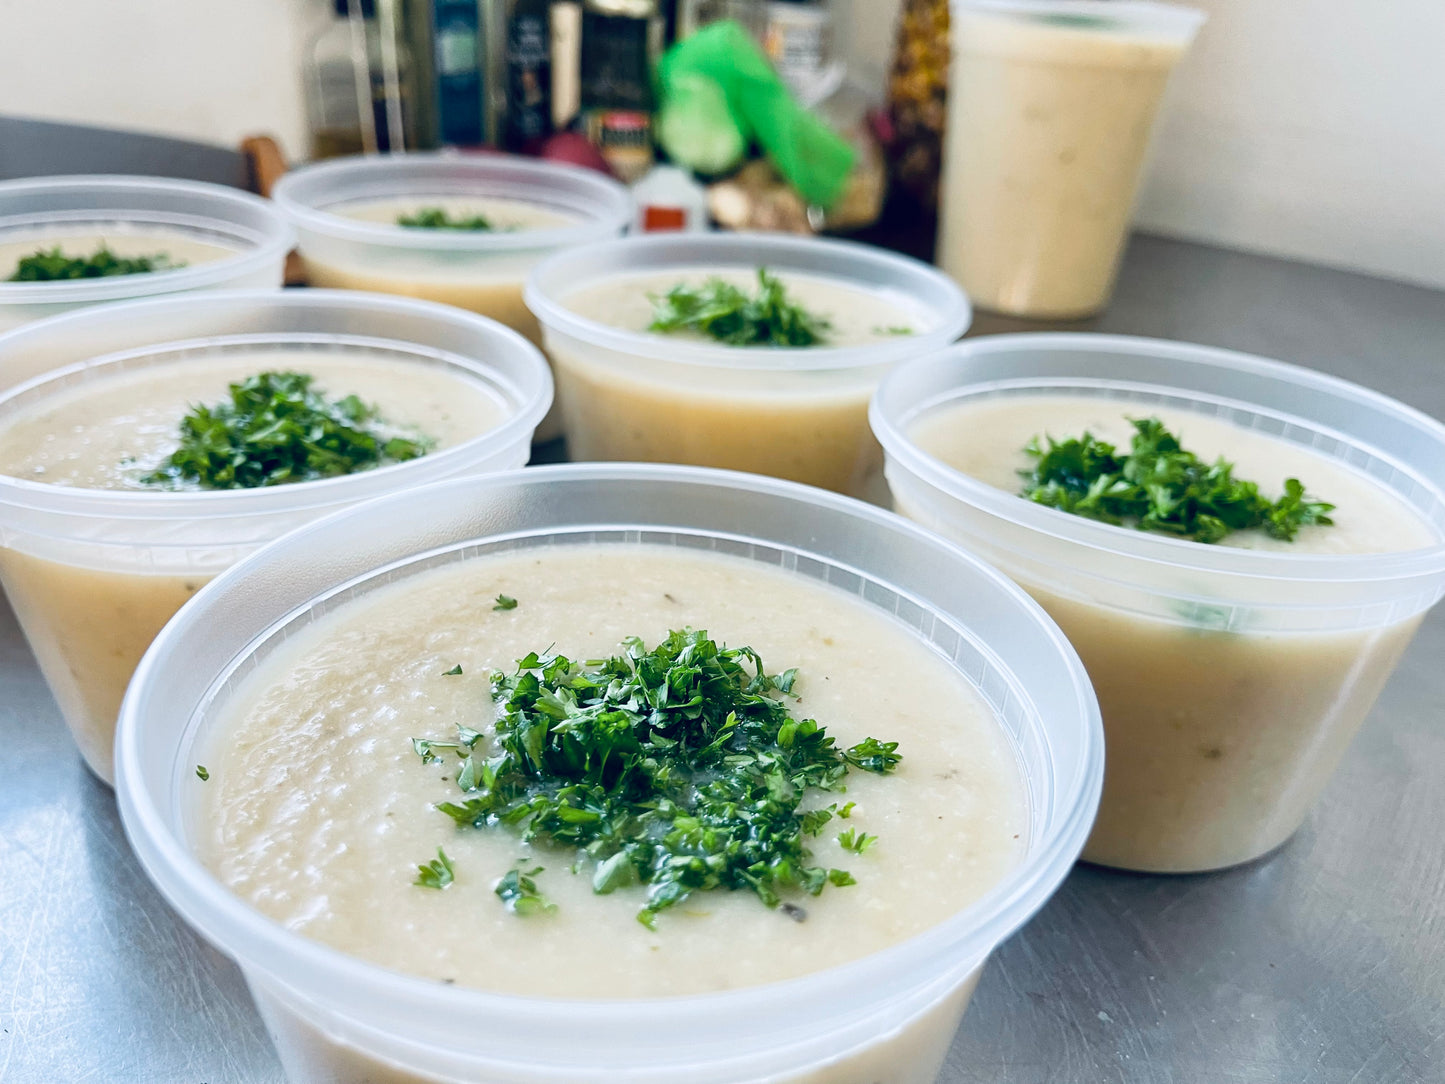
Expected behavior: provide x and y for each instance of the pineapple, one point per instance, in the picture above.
(918, 98)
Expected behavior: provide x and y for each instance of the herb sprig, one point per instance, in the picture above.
(678, 767)
(435, 218)
(54, 266)
(276, 428)
(517, 888)
(727, 313)
(437, 873)
(1159, 486)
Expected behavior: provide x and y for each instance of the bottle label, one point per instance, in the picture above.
(663, 219)
(529, 80)
(624, 138)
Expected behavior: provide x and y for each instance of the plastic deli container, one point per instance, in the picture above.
(890, 1015)
(225, 237)
(93, 574)
(799, 413)
(478, 270)
(1050, 109)
(1230, 680)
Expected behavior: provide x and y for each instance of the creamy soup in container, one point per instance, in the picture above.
(299, 815)
(1233, 674)
(499, 297)
(166, 251)
(634, 390)
(99, 546)
(1050, 110)
(150, 235)
(340, 705)
(348, 214)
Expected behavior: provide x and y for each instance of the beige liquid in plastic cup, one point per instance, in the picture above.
(1051, 105)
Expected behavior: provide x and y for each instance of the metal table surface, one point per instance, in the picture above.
(1323, 963)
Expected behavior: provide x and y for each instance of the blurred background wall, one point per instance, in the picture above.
(1304, 128)
(212, 70)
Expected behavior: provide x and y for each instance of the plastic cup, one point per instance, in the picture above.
(94, 574)
(1230, 680)
(889, 1016)
(43, 211)
(799, 413)
(481, 271)
(1051, 104)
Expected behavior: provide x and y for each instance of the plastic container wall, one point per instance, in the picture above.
(887, 1016)
(250, 236)
(1231, 680)
(94, 574)
(797, 413)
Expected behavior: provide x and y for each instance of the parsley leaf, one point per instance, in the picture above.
(275, 428)
(856, 841)
(435, 218)
(435, 874)
(54, 265)
(453, 672)
(505, 602)
(202, 773)
(1159, 486)
(725, 312)
(679, 768)
(517, 889)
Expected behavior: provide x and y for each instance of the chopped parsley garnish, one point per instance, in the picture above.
(276, 428)
(505, 602)
(202, 773)
(518, 891)
(728, 314)
(679, 768)
(453, 672)
(856, 841)
(435, 218)
(55, 266)
(1158, 486)
(1081, 22)
(896, 329)
(435, 874)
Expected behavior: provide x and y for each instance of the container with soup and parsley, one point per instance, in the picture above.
(583, 772)
(155, 443)
(71, 242)
(464, 230)
(1239, 549)
(750, 352)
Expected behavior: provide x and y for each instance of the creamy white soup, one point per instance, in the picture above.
(90, 620)
(804, 425)
(1218, 740)
(318, 810)
(122, 240)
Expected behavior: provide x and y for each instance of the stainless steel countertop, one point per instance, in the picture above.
(1323, 963)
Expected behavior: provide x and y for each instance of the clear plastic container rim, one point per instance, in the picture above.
(891, 413)
(606, 205)
(258, 943)
(1167, 20)
(564, 272)
(274, 236)
(533, 403)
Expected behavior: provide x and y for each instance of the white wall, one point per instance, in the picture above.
(1305, 128)
(210, 70)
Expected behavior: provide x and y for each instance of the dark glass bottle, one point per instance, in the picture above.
(529, 75)
(620, 41)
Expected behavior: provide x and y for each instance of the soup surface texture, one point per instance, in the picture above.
(318, 810)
